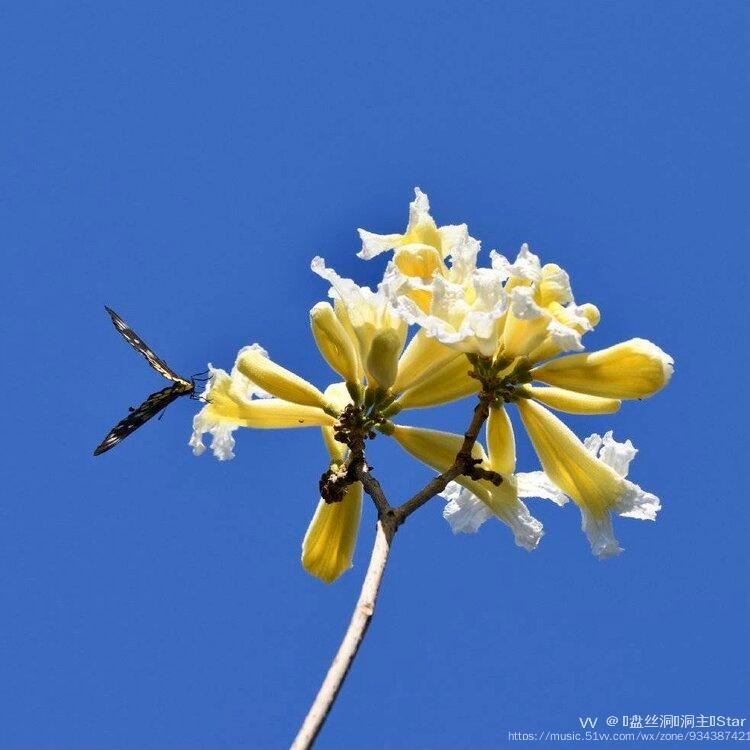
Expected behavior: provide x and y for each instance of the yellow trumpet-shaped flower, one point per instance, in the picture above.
(254, 364)
(421, 231)
(633, 369)
(470, 501)
(328, 546)
(234, 401)
(371, 318)
(596, 484)
(334, 342)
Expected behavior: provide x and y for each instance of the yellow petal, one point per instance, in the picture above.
(572, 402)
(439, 450)
(424, 233)
(501, 444)
(553, 286)
(340, 310)
(334, 342)
(328, 546)
(419, 261)
(277, 380)
(592, 484)
(522, 335)
(424, 356)
(633, 369)
(422, 298)
(447, 383)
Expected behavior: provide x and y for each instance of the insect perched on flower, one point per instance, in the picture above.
(156, 402)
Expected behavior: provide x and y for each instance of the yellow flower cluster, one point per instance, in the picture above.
(511, 321)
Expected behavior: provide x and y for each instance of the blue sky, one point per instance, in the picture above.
(182, 163)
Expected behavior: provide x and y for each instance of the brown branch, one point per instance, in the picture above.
(386, 513)
(464, 464)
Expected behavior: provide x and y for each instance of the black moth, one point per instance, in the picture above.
(156, 402)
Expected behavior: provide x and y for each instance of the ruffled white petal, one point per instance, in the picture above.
(522, 304)
(527, 531)
(464, 512)
(600, 534)
(637, 503)
(457, 245)
(222, 440)
(614, 454)
(538, 484)
(526, 267)
(565, 338)
(375, 244)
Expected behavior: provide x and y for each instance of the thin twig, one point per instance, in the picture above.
(462, 465)
(386, 513)
(363, 612)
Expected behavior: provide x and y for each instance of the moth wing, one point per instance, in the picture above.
(149, 408)
(143, 348)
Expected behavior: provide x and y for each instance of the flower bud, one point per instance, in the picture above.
(382, 359)
(633, 369)
(333, 342)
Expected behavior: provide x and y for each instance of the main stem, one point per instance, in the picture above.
(339, 668)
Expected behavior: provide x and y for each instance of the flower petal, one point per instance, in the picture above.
(601, 535)
(538, 484)
(361, 310)
(464, 512)
(590, 482)
(501, 445)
